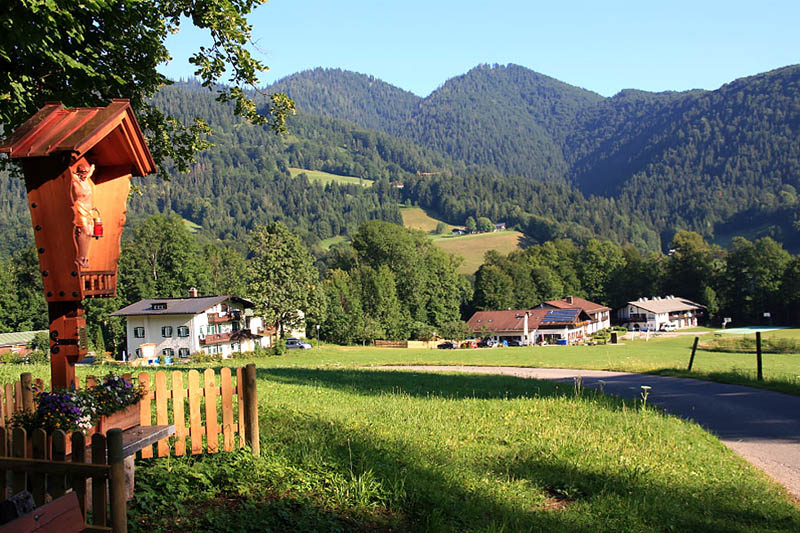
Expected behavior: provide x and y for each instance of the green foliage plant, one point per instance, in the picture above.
(88, 53)
(279, 347)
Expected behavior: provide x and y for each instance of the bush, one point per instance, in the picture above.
(279, 348)
(37, 357)
(202, 357)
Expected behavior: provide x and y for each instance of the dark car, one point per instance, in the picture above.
(447, 345)
(487, 343)
(515, 342)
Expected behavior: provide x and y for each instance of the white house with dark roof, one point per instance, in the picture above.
(655, 313)
(179, 327)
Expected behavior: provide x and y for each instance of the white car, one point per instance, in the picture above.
(293, 343)
(669, 326)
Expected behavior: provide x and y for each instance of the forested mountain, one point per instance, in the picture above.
(499, 141)
(693, 160)
(358, 98)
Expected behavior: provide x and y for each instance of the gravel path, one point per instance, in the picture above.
(762, 426)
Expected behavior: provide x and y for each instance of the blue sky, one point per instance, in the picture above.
(601, 46)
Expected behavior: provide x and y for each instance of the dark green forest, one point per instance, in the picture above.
(502, 142)
(717, 162)
(601, 188)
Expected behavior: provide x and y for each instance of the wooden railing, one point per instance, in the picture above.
(210, 413)
(25, 458)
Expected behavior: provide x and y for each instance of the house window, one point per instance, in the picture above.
(183, 353)
(168, 352)
(166, 331)
(138, 333)
(183, 331)
(160, 306)
(138, 353)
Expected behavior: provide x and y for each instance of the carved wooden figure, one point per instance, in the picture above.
(77, 165)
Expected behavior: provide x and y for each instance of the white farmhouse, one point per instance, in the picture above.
(179, 327)
(655, 313)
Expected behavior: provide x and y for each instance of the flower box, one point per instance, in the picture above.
(125, 419)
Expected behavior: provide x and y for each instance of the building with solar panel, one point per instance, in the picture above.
(531, 326)
(599, 314)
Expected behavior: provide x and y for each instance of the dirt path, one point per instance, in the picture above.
(762, 426)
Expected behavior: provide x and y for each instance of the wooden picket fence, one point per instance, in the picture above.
(54, 477)
(203, 410)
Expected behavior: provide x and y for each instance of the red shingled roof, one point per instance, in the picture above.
(111, 131)
(513, 320)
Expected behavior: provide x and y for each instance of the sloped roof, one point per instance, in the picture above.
(577, 303)
(668, 304)
(75, 131)
(19, 338)
(513, 320)
(178, 306)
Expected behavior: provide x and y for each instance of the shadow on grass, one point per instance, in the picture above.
(729, 411)
(423, 491)
(327, 477)
(418, 384)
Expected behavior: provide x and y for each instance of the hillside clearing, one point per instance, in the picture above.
(327, 177)
(473, 247)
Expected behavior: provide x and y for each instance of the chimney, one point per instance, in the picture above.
(193, 292)
(569, 299)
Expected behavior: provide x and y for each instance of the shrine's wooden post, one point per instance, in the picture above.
(77, 165)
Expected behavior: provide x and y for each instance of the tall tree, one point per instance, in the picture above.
(162, 260)
(493, 289)
(282, 275)
(87, 53)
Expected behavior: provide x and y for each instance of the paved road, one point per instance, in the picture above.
(761, 426)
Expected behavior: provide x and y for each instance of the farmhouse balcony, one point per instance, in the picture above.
(222, 318)
(215, 338)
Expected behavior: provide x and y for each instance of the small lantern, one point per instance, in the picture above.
(77, 165)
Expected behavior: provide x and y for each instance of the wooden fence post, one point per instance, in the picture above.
(27, 391)
(116, 481)
(694, 349)
(758, 357)
(251, 409)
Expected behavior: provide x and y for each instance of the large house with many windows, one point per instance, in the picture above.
(656, 312)
(179, 327)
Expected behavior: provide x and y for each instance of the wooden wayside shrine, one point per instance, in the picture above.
(77, 165)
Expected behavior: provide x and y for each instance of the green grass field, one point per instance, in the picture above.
(191, 226)
(325, 177)
(346, 448)
(473, 247)
(326, 244)
(417, 218)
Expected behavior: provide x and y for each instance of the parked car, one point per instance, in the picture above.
(669, 326)
(487, 343)
(515, 342)
(293, 343)
(470, 343)
(447, 345)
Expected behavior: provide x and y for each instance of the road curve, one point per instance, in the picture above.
(760, 425)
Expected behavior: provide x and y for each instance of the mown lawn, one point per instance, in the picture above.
(345, 448)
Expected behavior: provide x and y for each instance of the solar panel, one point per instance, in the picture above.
(561, 315)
